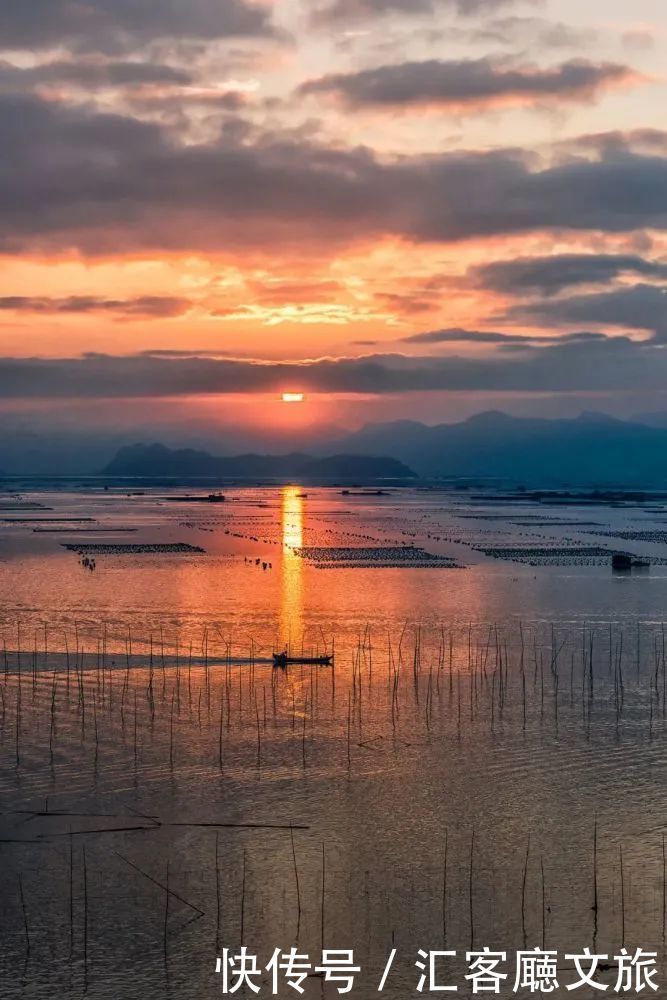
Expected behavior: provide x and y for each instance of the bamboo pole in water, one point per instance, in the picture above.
(297, 885)
(243, 897)
(323, 895)
(85, 917)
(171, 734)
(222, 715)
(620, 860)
(18, 724)
(444, 889)
(165, 932)
(470, 889)
(664, 888)
(71, 895)
(595, 877)
(523, 892)
(25, 914)
(544, 905)
(303, 736)
(218, 898)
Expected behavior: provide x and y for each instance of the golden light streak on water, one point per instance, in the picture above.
(292, 519)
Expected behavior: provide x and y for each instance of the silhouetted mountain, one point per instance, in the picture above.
(589, 450)
(595, 417)
(156, 460)
(658, 419)
(49, 447)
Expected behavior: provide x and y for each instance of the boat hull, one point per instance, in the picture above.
(281, 660)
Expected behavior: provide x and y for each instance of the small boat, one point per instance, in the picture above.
(283, 659)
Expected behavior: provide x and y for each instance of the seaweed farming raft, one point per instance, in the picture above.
(129, 549)
(370, 556)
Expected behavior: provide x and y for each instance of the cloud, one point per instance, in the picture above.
(540, 31)
(126, 25)
(578, 364)
(458, 336)
(639, 307)
(639, 39)
(461, 336)
(115, 184)
(89, 74)
(550, 275)
(616, 143)
(139, 88)
(479, 83)
(159, 306)
(279, 293)
(342, 11)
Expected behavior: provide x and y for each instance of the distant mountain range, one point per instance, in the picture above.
(656, 419)
(155, 460)
(593, 449)
(588, 451)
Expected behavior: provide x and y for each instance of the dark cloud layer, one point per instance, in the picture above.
(89, 74)
(105, 183)
(461, 336)
(478, 82)
(159, 306)
(586, 364)
(550, 275)
(639, 307)
(125, 25)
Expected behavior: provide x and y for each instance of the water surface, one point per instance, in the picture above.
(483, 727)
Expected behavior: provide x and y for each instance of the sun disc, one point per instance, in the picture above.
(292, 397)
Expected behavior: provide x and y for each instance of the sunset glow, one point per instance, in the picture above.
(259, 194)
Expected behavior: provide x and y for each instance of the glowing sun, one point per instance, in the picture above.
(292, 397)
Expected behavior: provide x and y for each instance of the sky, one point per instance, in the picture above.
(401, 208)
